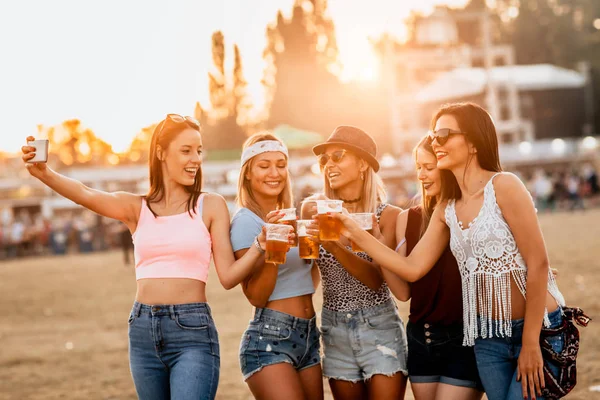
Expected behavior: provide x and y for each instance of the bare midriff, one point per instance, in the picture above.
(170, 291)
(300, 306)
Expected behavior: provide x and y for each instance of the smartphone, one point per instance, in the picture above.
(41, 150)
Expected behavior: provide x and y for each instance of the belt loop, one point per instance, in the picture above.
(294, 323)
(172, 311)
(363, 319)
(208, 310)
(258, 313)
(137, 309)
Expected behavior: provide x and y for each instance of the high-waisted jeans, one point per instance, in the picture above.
(173, 351)
(497, 359)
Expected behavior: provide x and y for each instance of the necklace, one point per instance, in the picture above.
(351, 201)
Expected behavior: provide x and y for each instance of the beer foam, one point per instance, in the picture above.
(325, 206)
(365, 220)
(302, 230)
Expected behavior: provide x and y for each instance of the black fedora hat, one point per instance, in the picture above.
(354, 139)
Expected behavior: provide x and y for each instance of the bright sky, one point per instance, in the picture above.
(121, 65)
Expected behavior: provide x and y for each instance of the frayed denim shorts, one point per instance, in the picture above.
(273, 337)
(360, 344)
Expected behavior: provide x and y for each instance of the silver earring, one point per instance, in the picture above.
(362, 176)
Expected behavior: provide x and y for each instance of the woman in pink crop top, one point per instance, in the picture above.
(173, 343)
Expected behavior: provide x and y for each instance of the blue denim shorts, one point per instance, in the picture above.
(363, 343)
(273, 337)
(497, 359)
(436, 355)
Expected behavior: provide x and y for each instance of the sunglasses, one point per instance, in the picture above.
(336, 157)
(179, 119)
(441, 135)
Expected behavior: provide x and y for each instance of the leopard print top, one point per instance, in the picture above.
(343, 292)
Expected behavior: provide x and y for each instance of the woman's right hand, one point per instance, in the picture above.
(37, 170)
(350, 227)
(274, 217)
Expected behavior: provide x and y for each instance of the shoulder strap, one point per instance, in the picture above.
(200, 204)
(144, 210)
(490, 182)
(380, 209)
(449, 213)
(413, 229)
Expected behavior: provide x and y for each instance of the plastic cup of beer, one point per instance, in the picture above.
(365, 220)
(308, 248)
(41, 150)
(289, 218)
(329, 227)
(277, 243)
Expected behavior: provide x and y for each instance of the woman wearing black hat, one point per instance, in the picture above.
(363, 336)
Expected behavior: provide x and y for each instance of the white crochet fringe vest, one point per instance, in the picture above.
(487, 257)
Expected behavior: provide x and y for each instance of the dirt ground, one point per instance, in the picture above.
(64, 332)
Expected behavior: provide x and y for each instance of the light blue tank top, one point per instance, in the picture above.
(294, 277)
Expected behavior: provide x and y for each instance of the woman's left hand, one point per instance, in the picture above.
(530, 371)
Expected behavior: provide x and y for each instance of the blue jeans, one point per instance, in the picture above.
(497, 360)
(173, 351)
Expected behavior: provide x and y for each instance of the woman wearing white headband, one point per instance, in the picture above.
(281, 343)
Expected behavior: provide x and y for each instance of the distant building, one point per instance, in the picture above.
(551, 98)
(438, 48)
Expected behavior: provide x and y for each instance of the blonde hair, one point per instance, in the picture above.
(374, 191)
(245, 196)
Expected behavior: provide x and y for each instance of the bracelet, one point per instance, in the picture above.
(257, 245)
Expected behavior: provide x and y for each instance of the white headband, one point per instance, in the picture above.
(263, 147)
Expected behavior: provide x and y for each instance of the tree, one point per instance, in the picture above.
(217, 85)
(301, 54)
(75, 144)
(241, 104)
(230, 105)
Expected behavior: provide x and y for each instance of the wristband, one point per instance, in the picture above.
(257, 245)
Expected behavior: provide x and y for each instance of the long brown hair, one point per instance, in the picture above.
(163, 135)
(480, 131)
(245, 195)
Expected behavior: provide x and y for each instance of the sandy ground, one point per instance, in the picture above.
(64, 332)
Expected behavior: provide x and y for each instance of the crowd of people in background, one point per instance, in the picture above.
(84, 232)
(572, 190)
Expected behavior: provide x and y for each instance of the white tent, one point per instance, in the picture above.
(462, 82)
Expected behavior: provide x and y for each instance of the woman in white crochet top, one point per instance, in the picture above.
(490, 220)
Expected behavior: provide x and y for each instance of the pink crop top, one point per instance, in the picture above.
(174, 246)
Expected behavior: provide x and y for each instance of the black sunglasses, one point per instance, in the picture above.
(336, 157)
(442, 135)
(179, 119)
